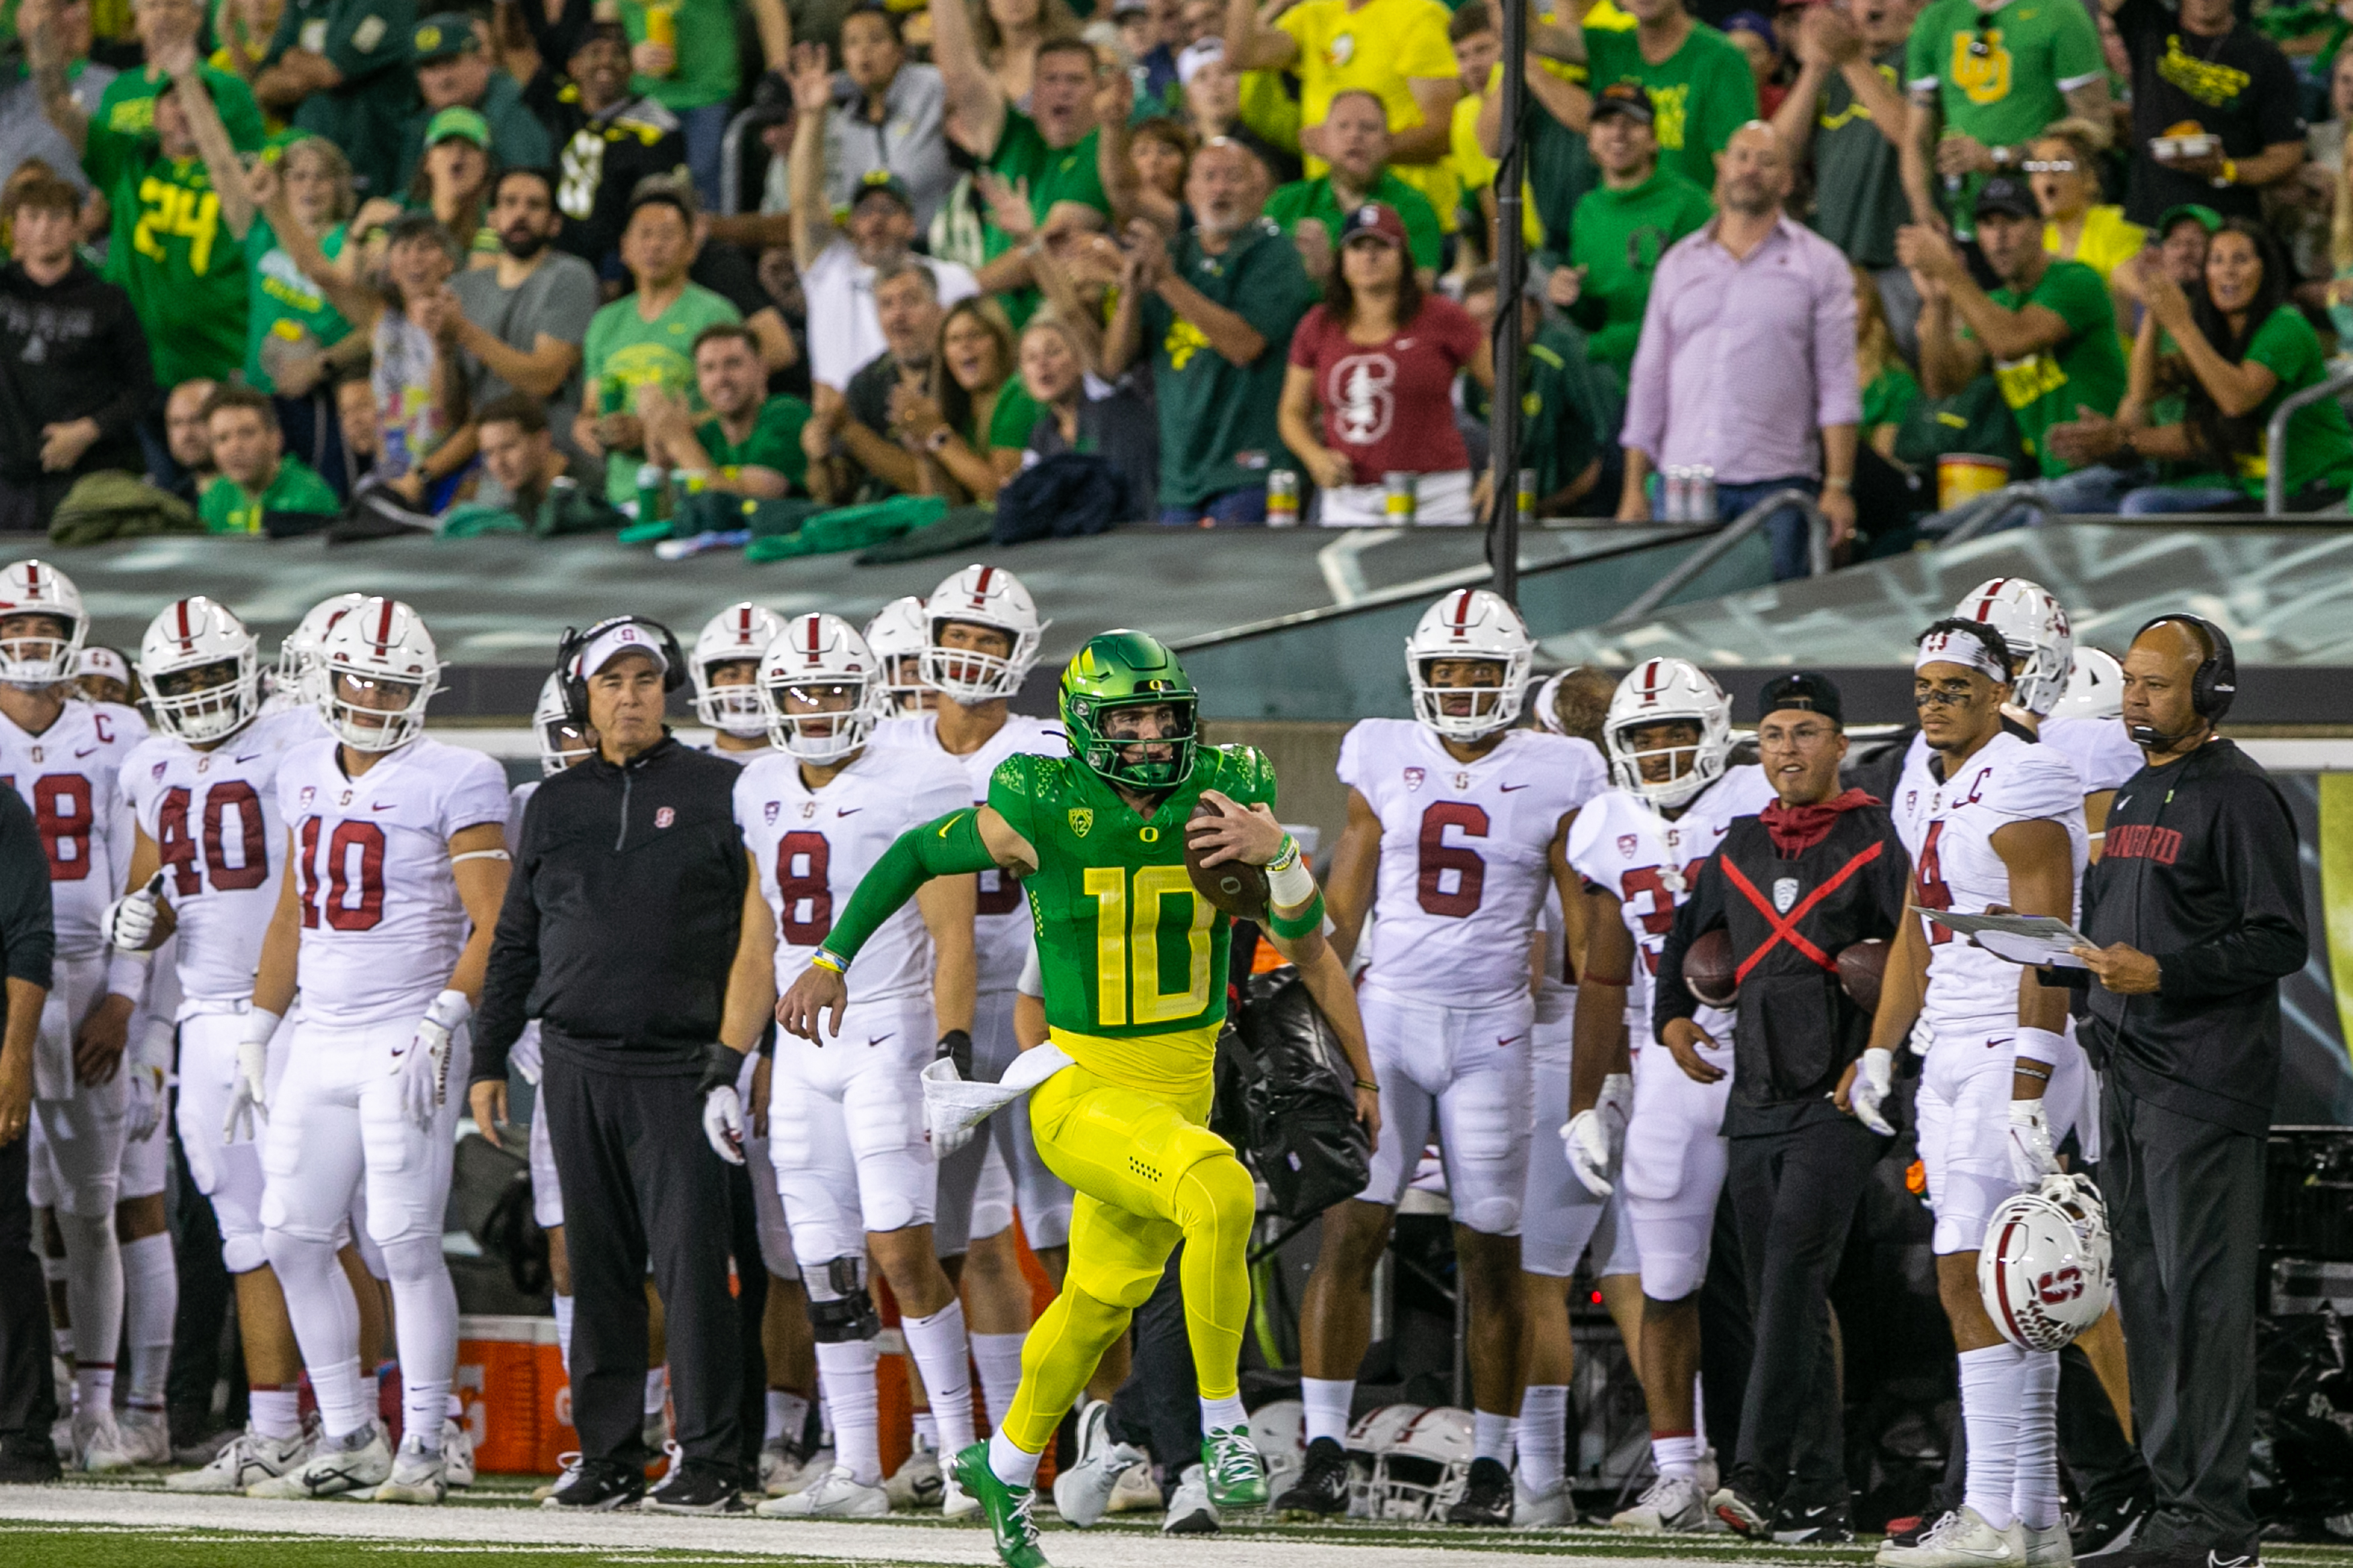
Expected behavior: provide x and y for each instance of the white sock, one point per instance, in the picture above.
(93, 1288)
(343, 1409)
(1677, 1454)
(1327, 1400)
(787, 1416)
(1013, 1465)
(425, 1325)
(937, 1343)
(1492, 1435)
(656, 1389)
(824, 1409)
(456, 1410)
(2034, 1490)
(93, 1385)
(421, 1406)
(371, 1387)
(326, 1319)
(1544, 1436)
(856, 1408)
(1224, 1413)
(998, 1356)
(927, 1431)
(151, 1301)
(276, 1412)
(1990, 1397)
(564, 1332)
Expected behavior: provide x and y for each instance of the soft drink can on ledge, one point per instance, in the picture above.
(1398, 506)
(1281, 499)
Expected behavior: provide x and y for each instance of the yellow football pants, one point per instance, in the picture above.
(1147, 1175)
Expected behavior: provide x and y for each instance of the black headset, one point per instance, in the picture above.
(2216, 684)
(574, 643)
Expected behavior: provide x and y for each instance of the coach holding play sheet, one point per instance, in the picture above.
(2196, 912)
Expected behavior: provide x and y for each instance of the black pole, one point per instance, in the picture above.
(1511, 280)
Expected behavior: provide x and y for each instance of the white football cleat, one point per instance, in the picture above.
(1135, 1491)
(780, 1466)
(100, 1449)
(1191, 1511)
(457, 1454)
(1546, 1509)
(419, 1474)
(1083, 1492)
(361, 1462)
(1962, 1538)
(246, 1460)
(834, 1495)
(147, 1435)
(2049, 1547)
(918, 1482)
(1673, 1504)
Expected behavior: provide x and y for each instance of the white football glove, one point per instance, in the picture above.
(1874, 1078)
(146, 1111)
(246, 1104)
(1595, 1139)
(2031, 1158)
(129, 921)
(723, 1122)
(423, 1065)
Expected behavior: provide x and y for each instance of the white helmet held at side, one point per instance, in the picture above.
(1423, 1472)
(1279, 1430)
(897, 637)
(983, 596)
(202, 669)
(1667, 692)
(381, 646)
(2034, 625)
(1470, 624)
(1368, 1438)
(2096, 688)
(298, 654)
(562, 742)
(36, 588)
(742, 632)
(2044, 1269)
(818, 658)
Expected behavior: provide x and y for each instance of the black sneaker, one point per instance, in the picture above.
(2108, 1528)
(1820, 1521)
(597, 1486)
(1321, 1488)
(1743, 1510)
(693, 1487)
(1487, 1496)
(27, 1459)
(1908, 1531)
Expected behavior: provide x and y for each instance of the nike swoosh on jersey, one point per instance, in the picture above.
(246, 759)
(848, 810)
(79, 755)
(383, 806)
(1507, 789)
(1502, 1040)
(880, 1039)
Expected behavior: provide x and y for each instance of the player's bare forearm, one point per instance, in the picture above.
(1597, 1044)
(273, 979)
(947, 905)
(479, 863)
(751, 978)
(2041, 862)
(1349, 891)
(1326, 979)
(1905, 983)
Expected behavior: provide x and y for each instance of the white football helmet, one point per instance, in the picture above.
(897, 637)
(562, 742)
(1278, 1431)
(384, 644)
(1469, 624)
(987, 597)
(34, 587)
(1661, 691)
(818, 651)
(2096, 688)
(298, 654)
(741, 631)
(202, 669)
(1368, 1439)
(1423, 1472)
(2034, 625)
(2044, 1269)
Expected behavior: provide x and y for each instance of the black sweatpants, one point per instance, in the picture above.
(28, 1399)
(639, 1177)
(1794, 1195)
(1159, 1405)
(2186, 1210)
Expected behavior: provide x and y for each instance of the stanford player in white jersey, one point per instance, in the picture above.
(63, 756)
(2002, 829)
(397, 845)
(1636, 849)
(844, 1121)
(1458, 828)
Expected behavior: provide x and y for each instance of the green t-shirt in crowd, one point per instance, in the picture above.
(1617, 237)
(775, 442)
(1014, 417)
(1054, 174)
(1217, 418)
(1570, 407)
(624, 354)
(2000, 77)
(708, 69)
(2087, 368)
(283, 305)
(2319, 440)
(1317, 199)
(1858, 184)
(1700, 94)
(371, 43)
(228, 507)
(127, 108)
(172, 255)
(1889, 397)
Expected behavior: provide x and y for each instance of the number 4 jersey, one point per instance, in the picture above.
(1465, 853)
(69, 774)
(214, 816)
(382, 921)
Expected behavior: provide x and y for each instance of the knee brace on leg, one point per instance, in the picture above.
(841, 1309)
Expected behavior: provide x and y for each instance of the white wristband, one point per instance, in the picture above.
(2040, 1046)
(1290, 885)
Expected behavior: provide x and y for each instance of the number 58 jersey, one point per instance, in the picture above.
(1465, 852)
(382, 921)
(810, 849)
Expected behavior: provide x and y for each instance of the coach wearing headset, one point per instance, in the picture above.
(619, 926)
(2196, 913)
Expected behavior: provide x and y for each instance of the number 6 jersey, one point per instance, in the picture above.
(69, 774)
(382, 921)
(1465, 851)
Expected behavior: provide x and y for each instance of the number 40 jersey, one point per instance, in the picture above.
(1465, 853)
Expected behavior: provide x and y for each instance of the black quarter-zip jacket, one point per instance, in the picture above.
(2199, 871)
(621, 915)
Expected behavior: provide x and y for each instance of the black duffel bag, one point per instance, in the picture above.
(1298, 1097)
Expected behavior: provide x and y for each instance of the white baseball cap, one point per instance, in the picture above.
(628, 636)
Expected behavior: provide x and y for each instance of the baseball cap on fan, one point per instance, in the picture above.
(613, 641)
(1377, 219)
(1805, 691)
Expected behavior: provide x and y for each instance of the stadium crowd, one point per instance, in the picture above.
(569, 266)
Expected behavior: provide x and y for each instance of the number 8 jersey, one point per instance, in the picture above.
(382, 923)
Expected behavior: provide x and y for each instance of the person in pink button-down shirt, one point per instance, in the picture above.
(1746, 360)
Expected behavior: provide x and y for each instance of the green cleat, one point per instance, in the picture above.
(1008, 1508)
(1236, 1474)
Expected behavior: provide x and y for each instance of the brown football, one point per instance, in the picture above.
(1709, 971)
(1238, 889)
(1861, 966)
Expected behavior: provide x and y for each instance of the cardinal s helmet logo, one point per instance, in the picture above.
(2061, 1285)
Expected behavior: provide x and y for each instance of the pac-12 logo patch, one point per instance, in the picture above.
(1627, 843)
(1082, 818)
(664, 816)
(1413, 777)
(768, 812)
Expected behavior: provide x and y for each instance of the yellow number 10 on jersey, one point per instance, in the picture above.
(1127, 942)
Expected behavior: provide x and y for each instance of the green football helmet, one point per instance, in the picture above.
(1128, 670)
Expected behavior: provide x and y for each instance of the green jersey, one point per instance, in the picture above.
(2319, 440)
(1054, 174)
(1317, 199)
(775, 442)
(369, 42)
(2000, 77)
(1700, 94)
(285, 310)
(127, 108)
(624, 354)
(1133, 959)
(228, 507)
(703, 35)
(172, 254)
(1617, 237)
(1014, 417)
(1571, 408)
(2087, 367)
(1858, 186)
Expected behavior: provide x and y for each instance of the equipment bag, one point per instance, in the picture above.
(1299, 1098)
